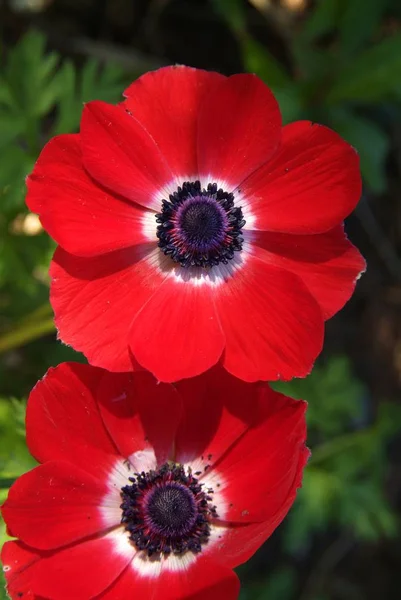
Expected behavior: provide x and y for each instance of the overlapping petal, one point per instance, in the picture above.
(263, 460)
(81, 571)
(94, 220)
(188, 584)
(167, 103)
(140, 415)
(96, 299)
(65, 507)
(240, 542)
(272, 324)
(186, 338)
(63, 419)
(311, 184)
(239, 129)
(205, 435)
(327, 263)
(120, 154)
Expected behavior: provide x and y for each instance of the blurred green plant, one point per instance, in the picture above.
(41, 95)
(344, 481)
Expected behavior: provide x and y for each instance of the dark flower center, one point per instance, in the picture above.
(200, 228)
(171, 508)
(167, 511)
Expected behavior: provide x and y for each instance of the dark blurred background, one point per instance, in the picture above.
(337, 62)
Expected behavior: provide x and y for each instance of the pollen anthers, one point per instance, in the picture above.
(200, 227)
(167, 511)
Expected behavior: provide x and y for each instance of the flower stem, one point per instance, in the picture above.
(26, 331)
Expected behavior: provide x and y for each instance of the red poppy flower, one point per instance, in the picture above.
(146, 489)
(194, 228)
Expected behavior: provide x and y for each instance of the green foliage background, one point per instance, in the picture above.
(345, 72)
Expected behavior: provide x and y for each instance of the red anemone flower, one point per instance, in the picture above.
(146, 490)
(193, 227)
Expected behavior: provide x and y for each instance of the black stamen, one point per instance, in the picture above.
(200, 228)
(166, 511)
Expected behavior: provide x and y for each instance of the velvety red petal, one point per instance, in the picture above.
(177, 334)
(327, 263)
(311, 184)
(239, 542)
(259, 472)
(81, 216)
(218, 409)
(238, 130)
(273, 325)
(120, 154)
(56, 504)
(167, 102)
(16, 557)
(96, 299)
(140, 414)
(202, 579)
(63, 420)
(223, 585)
(80, 572)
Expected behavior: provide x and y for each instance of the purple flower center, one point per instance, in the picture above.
(200, 228)
(170, 510)
(167, 511)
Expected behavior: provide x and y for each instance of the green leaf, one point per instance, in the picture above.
(68, 112)
(6, 98)
(257, 59)
(371, 76)
(342, 395)
(343, 484)
(367, 14)
(94, 82)
(11, 126)
(28, 72)
(322, 19)
(15, 166)
(232, 11)
(372, 143)
(15, 458)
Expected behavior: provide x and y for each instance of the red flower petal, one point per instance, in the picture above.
(120, 154)
(258, 474)
(310, 185)
(327, 263)
(222, 584)
(177, 334)
(166, 102)
(218, 409)
(57, 504)
(95, 301)
(202, 579)
(16, 559)
(273, 326)
(239, 129)
(24, 572)
(240, 542)
(63, 420)
(140, 414)
(81, 216)
(80, 572)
